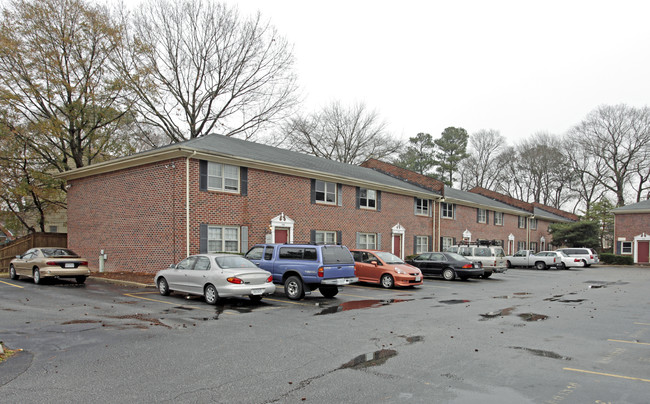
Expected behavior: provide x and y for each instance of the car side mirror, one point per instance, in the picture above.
(374, 263)
(18, 256)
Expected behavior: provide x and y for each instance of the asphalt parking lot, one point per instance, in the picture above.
(581, 335)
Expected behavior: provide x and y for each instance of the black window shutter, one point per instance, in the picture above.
(203, 175)
(203, 238)
(379, 241)
(313, 191)
(358, 197)
(378, 201)
(454, 241)
(453, 209)
(487, 217)
(244, 239)
(618, 247)
(430, 207)
(339, 197)
(478, 214)
(243, 181)
(339, 237)
(415, 205)
(430, 239)
(415, 244)
(312, 236)
(441, 242)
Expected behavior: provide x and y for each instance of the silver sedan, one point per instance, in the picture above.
(214, 276)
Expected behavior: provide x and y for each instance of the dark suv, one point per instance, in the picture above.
(302, 268)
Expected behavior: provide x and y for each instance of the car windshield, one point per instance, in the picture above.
(234, 261)
(389, 258)
(336, 255)
(456, 257)
(58, 252)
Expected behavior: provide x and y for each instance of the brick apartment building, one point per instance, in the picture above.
(217, 193)
(484, 214)
(632, 231)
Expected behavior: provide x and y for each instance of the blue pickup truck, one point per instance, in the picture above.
(302, 268)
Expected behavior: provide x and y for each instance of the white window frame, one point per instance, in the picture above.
(498, 218)
(521, 245)
(422, 206)
(326, 185)
(421, 244)
(446, 210)
(367, 245)
(533, 224)
(630, 249)
(447, 242)
(220, 244)
(325, 236)
(482, 215)
(521, 222)
(533, 246)
(367, 198)
(226, 180)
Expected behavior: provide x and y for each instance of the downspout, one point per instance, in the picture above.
(438, 246)
(187, 204)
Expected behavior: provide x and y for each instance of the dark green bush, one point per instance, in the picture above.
(614, 259)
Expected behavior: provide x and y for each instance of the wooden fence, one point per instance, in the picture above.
(22, 244)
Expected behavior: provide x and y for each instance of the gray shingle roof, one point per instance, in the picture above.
(477, 199)
(541, 213)
(642, 206)
(229, 146)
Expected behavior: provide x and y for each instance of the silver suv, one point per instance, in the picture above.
(488, 253)
(587, 255)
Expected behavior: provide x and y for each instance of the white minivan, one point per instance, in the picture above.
(492, 257)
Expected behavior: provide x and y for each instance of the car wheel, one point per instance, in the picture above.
(540, 265)
(80, 279)
(211, 295)
(587, 265)
(448, 274)
(508, 264)
(37, 276)
(294, 288)
(387, 281)
(163, 287)
(561, 265)
(12, 273)
(328, 291)
(255, 298)
(487, 275)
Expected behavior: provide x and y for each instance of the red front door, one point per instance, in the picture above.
(644, 251)
(397, 246)
(281, 235)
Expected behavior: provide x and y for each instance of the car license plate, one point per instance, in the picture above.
(417, 279)
(257, 291)
(69, 265)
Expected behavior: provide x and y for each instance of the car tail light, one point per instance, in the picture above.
(468, 266)
(235, 280)
(269, 279)
(554, 259)
(591, 257)
(51, 263)
(83, 263)
(321, 272)
(576, 260)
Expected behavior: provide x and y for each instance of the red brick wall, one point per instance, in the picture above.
(466, 220)
(137, 215)
(133, 215)
(631, 225)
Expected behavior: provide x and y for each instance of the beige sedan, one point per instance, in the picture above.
(49, 262)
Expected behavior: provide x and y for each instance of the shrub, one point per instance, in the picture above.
(616, 259)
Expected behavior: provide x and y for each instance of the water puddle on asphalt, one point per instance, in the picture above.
(360, 304)
(533, 317)
(413, 339)
(454, 301)
(376, 358)
(604, 284)
(498, 313)
(557, 298)
(542, 353)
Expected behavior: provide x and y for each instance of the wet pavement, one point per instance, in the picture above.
(524, 336)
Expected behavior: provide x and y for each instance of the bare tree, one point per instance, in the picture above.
(587, 169)
(483, 168)
(618, 136)
(196, 67)
(350, 135)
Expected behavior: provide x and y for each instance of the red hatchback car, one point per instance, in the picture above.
(385, 269)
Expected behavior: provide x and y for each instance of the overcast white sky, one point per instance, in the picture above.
(519, 67)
